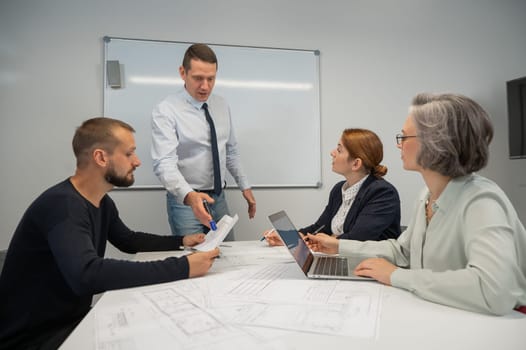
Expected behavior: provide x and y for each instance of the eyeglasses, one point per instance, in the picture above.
(400, 138)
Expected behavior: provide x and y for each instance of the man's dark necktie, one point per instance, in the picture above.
(215, 152)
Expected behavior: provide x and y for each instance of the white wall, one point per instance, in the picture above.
(375, 55)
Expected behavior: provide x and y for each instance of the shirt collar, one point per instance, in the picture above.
(349, 192)
(196, 104)
(450, 193)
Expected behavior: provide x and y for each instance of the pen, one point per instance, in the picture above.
(268, 233)
(212, 222)
(317, 231)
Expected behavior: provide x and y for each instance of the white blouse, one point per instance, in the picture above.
(348, 195)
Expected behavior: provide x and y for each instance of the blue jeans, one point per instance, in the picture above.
(183, 222)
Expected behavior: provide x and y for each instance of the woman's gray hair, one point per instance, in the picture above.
(454, 133)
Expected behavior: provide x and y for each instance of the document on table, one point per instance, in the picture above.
(214, 238)
(248, 309)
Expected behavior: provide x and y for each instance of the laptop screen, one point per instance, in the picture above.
(292, 239)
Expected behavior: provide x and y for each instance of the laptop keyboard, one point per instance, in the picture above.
(331, 266)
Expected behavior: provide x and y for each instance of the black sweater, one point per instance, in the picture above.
(55, 262)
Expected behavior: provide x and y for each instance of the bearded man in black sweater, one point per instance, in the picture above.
(55, 262)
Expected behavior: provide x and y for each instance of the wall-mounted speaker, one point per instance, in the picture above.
(113, 71)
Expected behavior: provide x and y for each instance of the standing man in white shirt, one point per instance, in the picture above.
(183, 147)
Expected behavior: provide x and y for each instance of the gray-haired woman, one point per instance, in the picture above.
(465, 246)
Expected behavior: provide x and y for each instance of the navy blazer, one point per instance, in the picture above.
(374, 215)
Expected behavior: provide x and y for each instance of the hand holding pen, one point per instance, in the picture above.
(266, 234)
(318, 230)
(195, 200)
(272, 238)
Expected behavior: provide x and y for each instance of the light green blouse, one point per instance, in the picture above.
(472, 255)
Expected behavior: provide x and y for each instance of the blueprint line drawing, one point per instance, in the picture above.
(251, 308)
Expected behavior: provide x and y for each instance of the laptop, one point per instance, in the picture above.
(314, 266)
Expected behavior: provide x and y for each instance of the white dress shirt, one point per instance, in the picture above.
(181, 151)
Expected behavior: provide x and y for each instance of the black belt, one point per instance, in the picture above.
(208, 192)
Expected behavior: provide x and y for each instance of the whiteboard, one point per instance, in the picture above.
(273, 96)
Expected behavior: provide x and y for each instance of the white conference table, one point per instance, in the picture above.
(404, 321)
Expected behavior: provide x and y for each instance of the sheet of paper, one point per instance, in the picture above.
(224, 311)
(214, 238)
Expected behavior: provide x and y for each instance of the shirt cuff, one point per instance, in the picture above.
(181, 193)
(401, 278)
